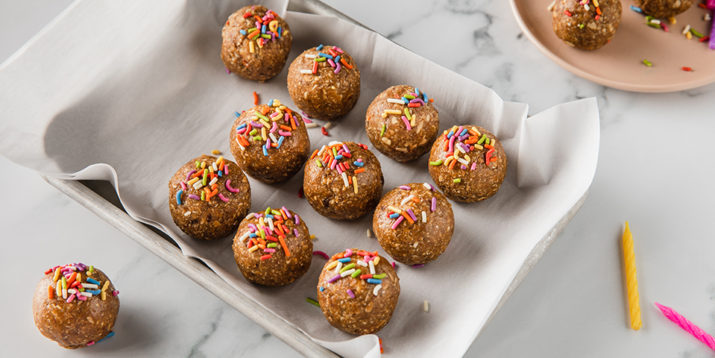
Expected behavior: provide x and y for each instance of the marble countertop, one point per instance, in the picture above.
(655, 170)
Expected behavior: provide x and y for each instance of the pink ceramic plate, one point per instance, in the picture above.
(619, 63)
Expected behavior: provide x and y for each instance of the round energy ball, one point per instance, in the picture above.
(664, 8)
(324, 82)
(401, 122)
(343, 180)
(270, 142)
(208, 196)
(467, 163)
(256, 43)
(585, 25)
(75, 305)
(413, 223)
(358, 291)
(273, 247)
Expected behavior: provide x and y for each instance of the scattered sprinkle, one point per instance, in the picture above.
(324, 131)
(321, 254)
(687, 69)
(425, 306)
(256, 100)
(647, 63)
(312, 302)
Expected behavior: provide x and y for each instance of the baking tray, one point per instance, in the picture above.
(100, 198)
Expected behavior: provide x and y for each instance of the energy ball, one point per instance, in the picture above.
(324, 82)
(343, 180)
(358, 291)
(75, 305)
(583, 24)
(467, 163)
(208, 196)
(401, 122)
(413, 223)
(270, 142)
(256, 43)
(664, 8)
(273, 247)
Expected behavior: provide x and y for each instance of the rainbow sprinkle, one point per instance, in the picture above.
(337, 156)
(261, 31)
(359, 265)
(412, 99)
(69, 287)
(271, 232)
(269, 126)
(405, 213)
(464, 140)
(334, 58)
(201, 183)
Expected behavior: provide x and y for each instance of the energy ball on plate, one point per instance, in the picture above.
(343, 180)
(270, 142)
(467, 163)
(256, 43)
(414, 223)
(664, 8)
(273, 247)
(358, 291)
(75, 305)
(208, 196)
(324, 82)
(583, 24)
(401, 122)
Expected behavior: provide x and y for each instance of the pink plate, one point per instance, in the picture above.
(619, 63)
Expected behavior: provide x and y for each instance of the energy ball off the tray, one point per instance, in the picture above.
(75, 305)
(273, 247)
(358, 291)
(414, 223)
(256, 43)
(343, 180)
(208, 196)
(401, 122)
(583, 24)
(270, 142)
(664, 8)
(324, 82)
(467, 163)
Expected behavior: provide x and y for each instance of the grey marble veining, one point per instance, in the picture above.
(655, 169)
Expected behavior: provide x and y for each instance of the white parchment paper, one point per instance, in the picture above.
(130, 90)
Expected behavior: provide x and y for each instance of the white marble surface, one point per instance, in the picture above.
(655, 169)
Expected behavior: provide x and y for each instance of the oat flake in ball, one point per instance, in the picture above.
(583, 24)
(467, 163)
(402, 123)
(273, 247)
(358, 291)
(414, 223)
(270, 142)
(343, 180)
(75, 305)
(208, 196)
(256, 43)
(324, 82)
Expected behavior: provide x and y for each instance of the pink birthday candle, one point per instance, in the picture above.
(686, 325)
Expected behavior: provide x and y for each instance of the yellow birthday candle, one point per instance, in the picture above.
(629, 266)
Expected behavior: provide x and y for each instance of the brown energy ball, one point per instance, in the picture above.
(414, 223)
(273, 247)
(324, 82)
(467, 163)
(343, 180)
(270, 142)
(75, 305)
(664, 8)
(586, 26)
(208, 196)
(256, 43)
(401, 122)
(358, 291)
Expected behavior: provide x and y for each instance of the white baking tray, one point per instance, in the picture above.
(100, 198)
